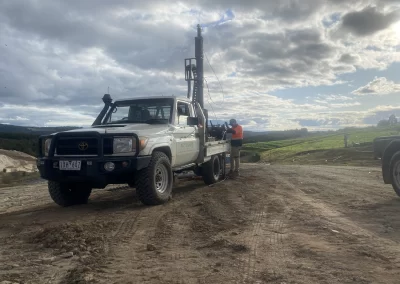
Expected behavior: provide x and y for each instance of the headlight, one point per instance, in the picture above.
(124, 145)
(128, 144)
(47, 144)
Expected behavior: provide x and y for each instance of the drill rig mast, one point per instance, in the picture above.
(194, 71)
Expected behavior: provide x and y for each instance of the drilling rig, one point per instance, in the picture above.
(194, 71)
(139, 141)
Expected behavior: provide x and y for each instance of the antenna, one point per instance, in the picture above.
(108, 89)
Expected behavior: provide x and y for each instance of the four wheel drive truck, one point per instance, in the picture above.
(388, 150)
(142, 142)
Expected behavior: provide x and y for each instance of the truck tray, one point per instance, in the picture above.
(216, 147)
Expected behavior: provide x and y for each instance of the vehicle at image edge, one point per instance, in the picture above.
(141, 142)
(387, 148)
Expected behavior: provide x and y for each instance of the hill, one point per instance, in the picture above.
(253, 137)
(26, 143)
(24, 138)
(324, 148)
(7, 128)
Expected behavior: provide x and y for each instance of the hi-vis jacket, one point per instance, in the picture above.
(237, 136)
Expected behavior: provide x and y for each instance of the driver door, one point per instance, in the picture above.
(186, 140)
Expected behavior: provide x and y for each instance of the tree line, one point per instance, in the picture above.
(276, 135)
(27, 143)
(388, 122)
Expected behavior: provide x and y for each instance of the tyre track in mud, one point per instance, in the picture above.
(171, 235)
(79, 268)
(274, 224)
(253, 238)
(266, 258)
(121, 245)
(180, 234)
(130, 213)
(136, 246)
(47, 216)
(263, 218)
(332, 230)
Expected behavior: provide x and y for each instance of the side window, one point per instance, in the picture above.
(182, 113)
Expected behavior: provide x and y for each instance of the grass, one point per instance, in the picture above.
(322, 149)
(14, 178)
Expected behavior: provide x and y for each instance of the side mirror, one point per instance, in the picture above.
(192, 121)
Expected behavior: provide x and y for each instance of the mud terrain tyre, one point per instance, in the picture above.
(65, 194)
(154, 183)
(395, 172)
(212, 170)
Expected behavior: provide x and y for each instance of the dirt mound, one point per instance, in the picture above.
(15, 161)
(76, 238)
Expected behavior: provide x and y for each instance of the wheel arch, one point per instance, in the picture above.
(164, 149)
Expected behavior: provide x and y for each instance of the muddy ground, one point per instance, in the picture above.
(274, 224)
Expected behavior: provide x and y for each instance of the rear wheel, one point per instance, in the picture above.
(154, 183)
(65, 194)
(212, 170)
(395, 172)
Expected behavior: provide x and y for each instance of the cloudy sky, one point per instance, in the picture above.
(320, 64)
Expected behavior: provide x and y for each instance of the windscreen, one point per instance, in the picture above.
(152, 111)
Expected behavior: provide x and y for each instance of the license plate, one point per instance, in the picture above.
(70, 165)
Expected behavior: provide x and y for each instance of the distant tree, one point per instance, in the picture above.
(304, 131)
(392, 120)
(383, 123)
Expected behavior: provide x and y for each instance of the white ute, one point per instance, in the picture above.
(141, 142)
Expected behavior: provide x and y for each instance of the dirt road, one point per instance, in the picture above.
(274, 224)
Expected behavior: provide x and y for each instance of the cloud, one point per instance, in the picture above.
(47, 116)
(368, 21)
(341, 119)
(380, 112)
(349, 58)
(378, 86)
(64, 55)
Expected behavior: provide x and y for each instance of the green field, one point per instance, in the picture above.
(324, 148)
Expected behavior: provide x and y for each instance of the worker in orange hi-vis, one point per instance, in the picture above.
(236, 145)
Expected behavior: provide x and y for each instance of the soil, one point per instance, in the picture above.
(273, 224)
(15, 161)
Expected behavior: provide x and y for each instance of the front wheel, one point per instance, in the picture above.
(395, 172)
(154, 183)
(65, 194)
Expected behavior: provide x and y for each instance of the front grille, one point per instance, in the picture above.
(108, 146)
(77, 146)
